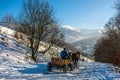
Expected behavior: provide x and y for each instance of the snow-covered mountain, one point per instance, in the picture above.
(81, 38)
(74, 34)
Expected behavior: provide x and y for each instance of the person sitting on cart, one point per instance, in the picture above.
(64, 54)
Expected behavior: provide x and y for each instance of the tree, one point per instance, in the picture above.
(104, 50)
(37, 21)
(108, 46)
(8, 20)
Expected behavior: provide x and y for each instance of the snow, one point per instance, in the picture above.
(6, 30)
(67, 27)
(86, 71)
(14, 65)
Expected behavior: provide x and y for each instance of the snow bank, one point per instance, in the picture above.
(86, 59)
(6, 30)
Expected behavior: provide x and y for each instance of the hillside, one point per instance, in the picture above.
(84, 39)
(10, 46)
(87, 45)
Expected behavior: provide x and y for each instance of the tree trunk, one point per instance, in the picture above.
(33, 55)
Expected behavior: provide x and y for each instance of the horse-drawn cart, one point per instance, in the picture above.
(64, 64)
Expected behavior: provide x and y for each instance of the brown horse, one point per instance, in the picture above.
(75, 58)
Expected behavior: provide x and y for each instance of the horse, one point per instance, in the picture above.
(75, 58)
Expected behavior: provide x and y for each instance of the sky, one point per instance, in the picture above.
(87, 14)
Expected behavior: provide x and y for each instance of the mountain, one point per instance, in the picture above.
(84, 39)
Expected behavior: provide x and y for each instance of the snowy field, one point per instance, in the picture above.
(86, 71)
(14, 66)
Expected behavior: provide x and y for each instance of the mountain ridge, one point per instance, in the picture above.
(71, 31)
(84, 39)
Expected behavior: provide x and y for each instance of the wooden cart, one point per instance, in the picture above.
(65, 64)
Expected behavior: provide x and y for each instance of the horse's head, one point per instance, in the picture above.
(76, 56)
(78, 52)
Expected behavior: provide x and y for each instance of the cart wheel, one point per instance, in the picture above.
(49, 67)
(65, 68)
(70, 67)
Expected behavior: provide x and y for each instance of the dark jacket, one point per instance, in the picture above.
(64, 54)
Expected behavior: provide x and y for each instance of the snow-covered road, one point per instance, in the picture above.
(86, 71)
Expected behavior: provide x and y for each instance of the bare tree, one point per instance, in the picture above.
(108, 46)
(8, 20)
(37, 21)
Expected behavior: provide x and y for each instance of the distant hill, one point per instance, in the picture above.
(81, 38)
